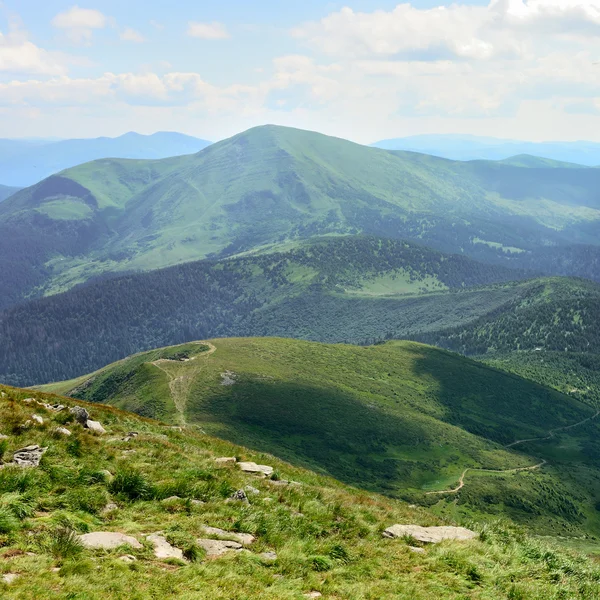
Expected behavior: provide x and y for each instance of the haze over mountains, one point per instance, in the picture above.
(470, 147)
(25, 162)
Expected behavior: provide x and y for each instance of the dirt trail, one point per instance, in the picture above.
(551, 434)
(180, 385)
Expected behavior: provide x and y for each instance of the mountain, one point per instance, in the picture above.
(337, 289)
(304, 533)
(25, 162)
(7, 191)
(469, 147)
(271, 185)
(400, 418)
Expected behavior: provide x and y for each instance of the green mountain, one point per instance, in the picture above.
(334, 289)
(271, 185)
(400, 418)
(304, 533)
(7, 191)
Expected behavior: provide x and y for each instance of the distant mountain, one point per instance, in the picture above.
(272, 184)
(7, 191)
(25, 162)
(466, 147)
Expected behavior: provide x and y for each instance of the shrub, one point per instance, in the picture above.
(320, 563)
(338, 552)
(63, 542)
(131, 484)
(8, 520)
(22, 506)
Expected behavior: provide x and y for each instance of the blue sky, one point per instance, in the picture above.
(362, 69)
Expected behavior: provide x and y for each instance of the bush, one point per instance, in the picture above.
(8, 521)
(131, 484)
(20, 505)
(320, 563)
(63, 542)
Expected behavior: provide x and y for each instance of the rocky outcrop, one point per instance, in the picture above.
(429, 535)
(62, 431)
(242, 538)
(81, 415)
(226, 460)
(162, 548)
(251, 467)
(30, 456)
(239, 496)
(108, 540)
(214, 548)
(95, 427)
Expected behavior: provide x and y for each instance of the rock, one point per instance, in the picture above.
(95, 427)
(62, 431)
(250, 467)
(127, 558)
(37, 419)
(57, 407)
(268, 555)
(279, 482)
(242, 538)
(108, 540)
(313, 595)
(215, 548)
(416, 550)
(429, 535)
(3, 437)
(132, 434)
(171, 499)
(8, 578)
(228, 378)
(29, 400)
(29, 456)
(81, 415)
(109, 507)
(196, 502)
(226, 460)
(240, 496)
(251, 490)
(107, 474)
(162, 548)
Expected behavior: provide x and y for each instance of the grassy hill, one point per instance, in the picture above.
(325, 536)
(400, 418)
(271, 185)
(7, 191)
(331, 289)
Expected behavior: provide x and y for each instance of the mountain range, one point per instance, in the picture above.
(471, 147)
(26, 162)
(271, 185)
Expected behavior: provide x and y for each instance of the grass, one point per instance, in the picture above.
(327, 536)
(395, 418)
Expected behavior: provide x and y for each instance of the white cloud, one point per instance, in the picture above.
(79, 23)
(208, 31)
(131, 35)
(20, 56)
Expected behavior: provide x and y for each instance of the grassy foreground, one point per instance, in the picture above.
(327, 536)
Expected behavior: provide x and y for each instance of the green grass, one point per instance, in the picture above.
(399, 418)
(327, 536)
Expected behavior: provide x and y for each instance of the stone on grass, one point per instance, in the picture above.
(239, 496)
(95, 427)
(416, 550)
(8, 578)
(29, 456)
(37, 419)
(128, 558)
(215, 548)
(162, 548)
(62, 431)
(251, 490)
(226, 460)
(313, 595)
(108, 540)
(251, 467)
(268, 555)
(81, 415)
(429, 535)
(109, 508)
(3, 437)
(29, 400)
(171, 499)
(242, 538)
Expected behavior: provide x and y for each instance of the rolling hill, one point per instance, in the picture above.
(304, 533)
(347, 288)
(24, 163)
(472, 147)
(271, 185)
(400, 418)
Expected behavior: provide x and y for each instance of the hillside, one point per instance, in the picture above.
(271, 185)
(7, 191)
(24, 163)
(331, 289)
(307, 537)
(399, 418)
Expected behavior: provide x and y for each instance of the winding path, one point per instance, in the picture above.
(551, 434)
(179, 386)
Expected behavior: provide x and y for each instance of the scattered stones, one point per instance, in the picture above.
(251, 467)
(128, 558)
(30, 456)
(226, 460)
(81, 415)
(228, 378)
(8, 578)
(62, 431)
(239, 496)
(416, 550)
(251, 490)
(242, 538)
(37, 419)
(162, 548)
(214, 548)
(130, 436)
(95, 427)
(108, 540)
(429, 535)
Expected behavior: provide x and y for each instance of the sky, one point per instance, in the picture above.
(364, 70)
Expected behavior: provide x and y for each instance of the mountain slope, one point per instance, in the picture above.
(323, 536)
(26, 163)
(273, 184)
(401, 418)
(7, 191)
(330, 289)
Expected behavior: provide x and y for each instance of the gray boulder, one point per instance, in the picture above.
(162, 548)
(30, 456)
(81, 415)
(240, 496)
(108, 540)
(242, 538)
(214, 548)
(95, 426)
(251, 467)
